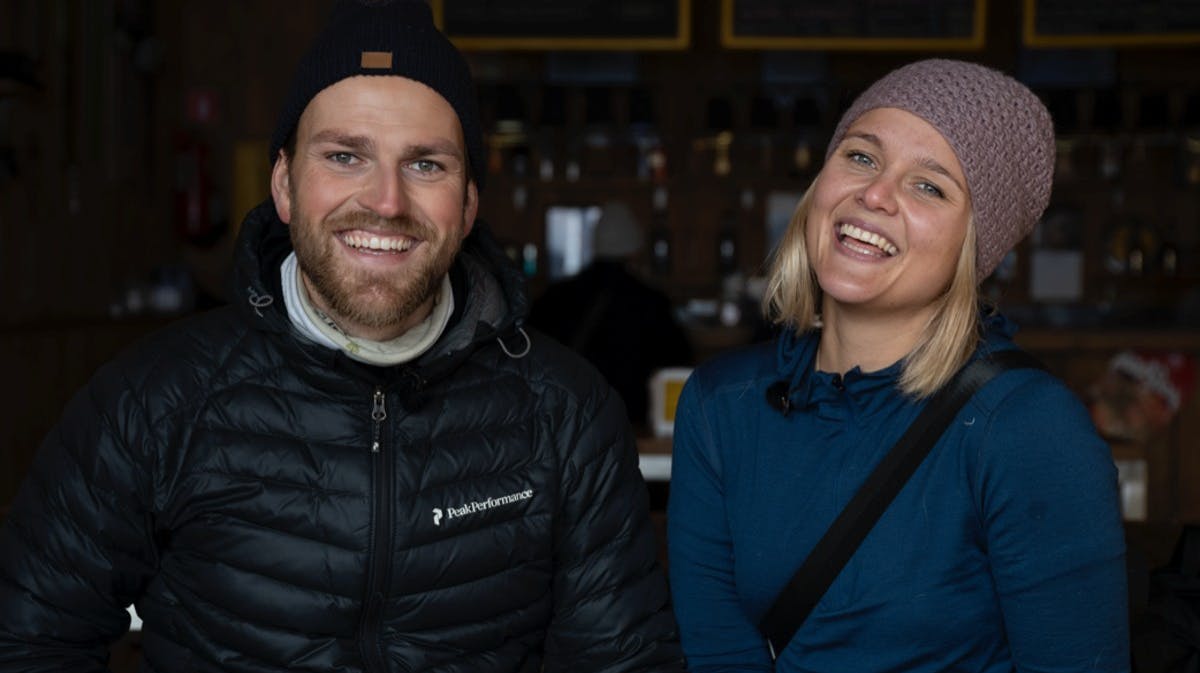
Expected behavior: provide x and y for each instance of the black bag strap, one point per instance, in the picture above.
(848, 531)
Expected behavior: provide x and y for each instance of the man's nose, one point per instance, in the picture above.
(385, 194)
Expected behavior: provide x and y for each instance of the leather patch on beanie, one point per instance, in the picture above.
(376, 59)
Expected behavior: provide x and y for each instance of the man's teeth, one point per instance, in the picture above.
(377, 243)
(870, 238)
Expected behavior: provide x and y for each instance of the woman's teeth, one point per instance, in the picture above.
(875, 240)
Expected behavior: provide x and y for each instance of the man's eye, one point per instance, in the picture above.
(426, 166)
(341, 157)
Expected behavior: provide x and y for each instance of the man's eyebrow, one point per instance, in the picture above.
(347, 140)
(445, 147)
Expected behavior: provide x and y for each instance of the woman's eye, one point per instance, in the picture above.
(930, 189)
(859, 158)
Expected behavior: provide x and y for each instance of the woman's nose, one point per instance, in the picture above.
(880, 193)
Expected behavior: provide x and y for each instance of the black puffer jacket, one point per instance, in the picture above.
(270, 505)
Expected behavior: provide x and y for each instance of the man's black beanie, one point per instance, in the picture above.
(384, 37)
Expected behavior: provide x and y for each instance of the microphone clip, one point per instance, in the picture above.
(777, 397)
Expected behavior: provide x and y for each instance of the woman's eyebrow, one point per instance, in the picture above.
(928, 163)
(931, 164)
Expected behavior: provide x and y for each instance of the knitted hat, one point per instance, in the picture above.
(1000, 131)
(385, 37)
(617, 233)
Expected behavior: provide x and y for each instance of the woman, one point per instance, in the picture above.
(1004, 551)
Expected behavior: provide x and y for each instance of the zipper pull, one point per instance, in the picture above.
(378, 414)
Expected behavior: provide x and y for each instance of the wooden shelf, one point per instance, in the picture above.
(654, 445)
(1068, 339)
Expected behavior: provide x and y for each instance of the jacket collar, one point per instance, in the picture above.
(857, 393)
(490, 298)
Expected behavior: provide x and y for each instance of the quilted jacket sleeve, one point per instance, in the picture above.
(611, 608)
(74, 550)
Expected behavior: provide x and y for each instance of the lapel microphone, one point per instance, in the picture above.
(777, 397)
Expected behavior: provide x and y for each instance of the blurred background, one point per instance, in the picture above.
(133, 139)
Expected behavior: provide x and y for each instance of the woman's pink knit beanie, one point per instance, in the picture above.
(1000, 131)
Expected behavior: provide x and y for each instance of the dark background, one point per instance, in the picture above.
(133, 138)
(133, 135)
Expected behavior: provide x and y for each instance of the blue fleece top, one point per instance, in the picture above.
(1004, 552)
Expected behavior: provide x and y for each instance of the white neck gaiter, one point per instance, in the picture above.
(320, 328)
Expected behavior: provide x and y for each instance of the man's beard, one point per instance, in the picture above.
(365, 298)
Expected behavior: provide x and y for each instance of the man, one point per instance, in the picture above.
(623, 326)
(365, 464)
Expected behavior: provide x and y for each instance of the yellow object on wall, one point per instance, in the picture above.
(251, 179)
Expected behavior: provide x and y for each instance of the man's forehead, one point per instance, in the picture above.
(331, 111)
(383, 77)
(414, 92)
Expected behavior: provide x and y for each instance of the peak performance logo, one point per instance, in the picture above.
(479, 506)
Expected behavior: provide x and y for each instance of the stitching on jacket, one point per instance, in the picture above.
(276, 482)
(258, 300)
(261, 526)
(285, 583)
(100, 489)
(634, 628)
(55, 561)
(232, 618)
(442, 664)
(119, 441)
(625, 581)
(476, 580)
(625, 533)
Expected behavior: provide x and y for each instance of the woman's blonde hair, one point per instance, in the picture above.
(793, 301)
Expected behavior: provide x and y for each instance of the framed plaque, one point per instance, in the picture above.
(880, 25)
(594, 25)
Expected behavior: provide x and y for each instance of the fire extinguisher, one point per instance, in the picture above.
(199, 217)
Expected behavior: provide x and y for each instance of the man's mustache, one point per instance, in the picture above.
(402, 225)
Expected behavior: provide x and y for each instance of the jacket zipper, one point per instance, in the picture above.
(379, 553)
(378, 414)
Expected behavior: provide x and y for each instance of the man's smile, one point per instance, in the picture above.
(375, 242)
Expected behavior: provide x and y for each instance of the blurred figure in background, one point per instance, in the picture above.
(614, 319)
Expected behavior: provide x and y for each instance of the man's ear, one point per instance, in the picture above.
(281, 188)
(470, 208)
